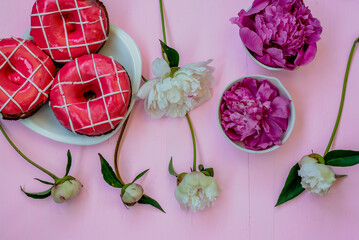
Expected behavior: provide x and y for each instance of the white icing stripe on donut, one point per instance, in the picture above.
(93, 100)
(89, 114)
(67, 110)
(82, 28)
(118, 79)
(65, 29)
(78, 70)
(38, 27)
(86, 22)
(11, 98)
(77, 23)
(84, 82)
(62, 10)
(103, 98)
(103, 27)
(37, 58)
(74, 46)
(12, 53)
(38, 96)
(43, 31)
(100, 123)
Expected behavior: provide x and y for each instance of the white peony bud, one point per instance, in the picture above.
(66, 190)
(131, 193)
(316, 177)
(196, 191)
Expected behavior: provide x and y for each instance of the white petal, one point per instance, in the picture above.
(160, 68)
(146, 88)
(154, 112)
(173, 95)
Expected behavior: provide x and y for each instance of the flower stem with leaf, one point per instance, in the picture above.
(58, 192)
(131, 193)
(339, 158)
(171, 56)
(344, 89)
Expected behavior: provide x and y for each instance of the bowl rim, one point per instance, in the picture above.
(282, 90)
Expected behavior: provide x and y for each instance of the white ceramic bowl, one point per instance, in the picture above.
(282, 92)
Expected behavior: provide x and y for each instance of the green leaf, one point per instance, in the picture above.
(342, 158)
(69, 162)
(171, 54)
(171, 170)
(140, 175)
(44, 182)
(147, 200)
(210, 171)
(201, 167)
(340, 176)
(40, 195)
(108, 174)
(292, 187)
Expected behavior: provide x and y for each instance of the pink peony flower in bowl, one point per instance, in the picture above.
(256, 113)
(280, 34)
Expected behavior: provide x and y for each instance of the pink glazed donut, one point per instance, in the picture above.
(67, 29)
(91, 94)
(26, 75)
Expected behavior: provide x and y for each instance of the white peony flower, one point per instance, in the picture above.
(176, 91)
(316, 177)
(196, 191)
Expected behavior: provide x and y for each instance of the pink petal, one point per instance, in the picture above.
(266, 60)
(251, 40)
(266, 92)
(280, 107)
(277, 56)
(250, 84)
(309, 54)
(251, 141)
(281, 122)
(273, 131)
(257, 6)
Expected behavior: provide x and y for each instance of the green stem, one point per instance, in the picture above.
(343, 96)
(194, 143)
(163, 23)
(26, 158)
(117, 148)
(144, 79)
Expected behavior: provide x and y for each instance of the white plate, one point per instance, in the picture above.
(124, 50)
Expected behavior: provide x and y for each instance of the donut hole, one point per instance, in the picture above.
(12, 75)
(70, 23)
(70, 27)
(89, 95)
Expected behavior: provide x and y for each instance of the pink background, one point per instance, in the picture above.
(199, 30)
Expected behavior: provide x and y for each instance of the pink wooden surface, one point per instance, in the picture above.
(199, 30)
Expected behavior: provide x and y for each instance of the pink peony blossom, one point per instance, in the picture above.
(279, 33)
(253, 112)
